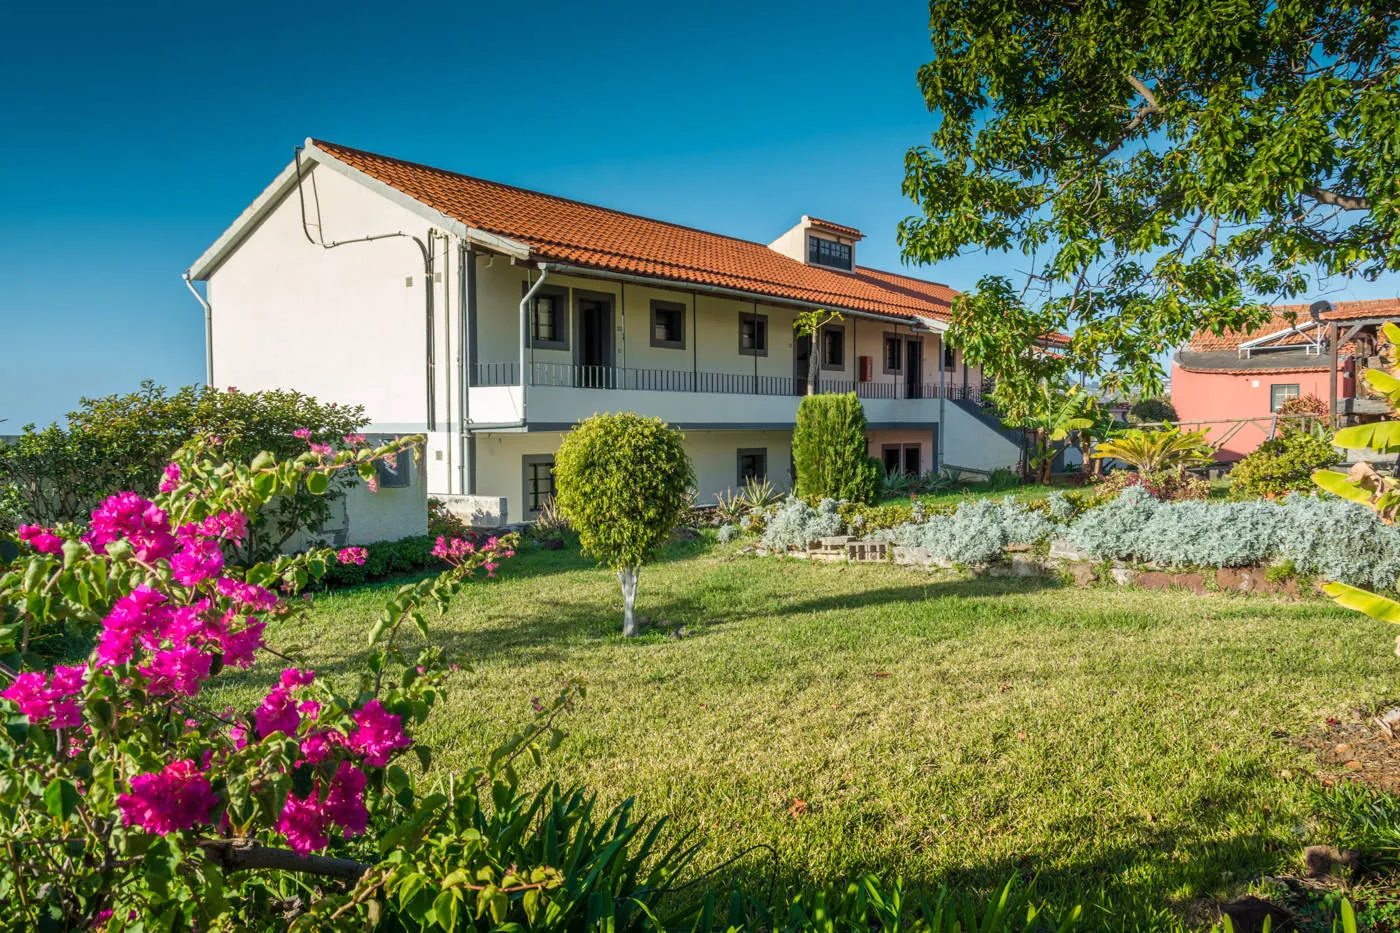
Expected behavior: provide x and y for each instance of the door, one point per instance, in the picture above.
(801, 355)
(913, 368)
(594, 358)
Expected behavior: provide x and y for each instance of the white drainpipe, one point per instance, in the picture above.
(525, 336)
(208, 330)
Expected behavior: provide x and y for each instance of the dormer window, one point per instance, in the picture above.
(823, 252)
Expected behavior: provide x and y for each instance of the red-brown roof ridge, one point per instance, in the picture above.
(577, 233)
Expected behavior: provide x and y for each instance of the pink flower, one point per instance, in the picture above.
(127, 515)
(139, 614)
(170, 481)
(233, 390)
(240, 646)
(177, 798)
(295, 677)
(354, 439)
(177, 671)
(30, 693)
(345, 804)
(279, 711)
(302, 433)
(41, 539)
(238, 735)
(373, 484)
(197, 562)
(319, 744)
(232, 526)
(379, 734)
(246, 594)
(322, 450)
(454, 551)
(352, 555)
(304, 823)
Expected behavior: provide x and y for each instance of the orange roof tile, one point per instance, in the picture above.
(562, 230)
(1286, 316)
(836, 228)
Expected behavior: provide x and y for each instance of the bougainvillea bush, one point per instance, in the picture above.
(130, 800)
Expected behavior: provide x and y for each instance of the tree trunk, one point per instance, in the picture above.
(627, 576)
(812, 366)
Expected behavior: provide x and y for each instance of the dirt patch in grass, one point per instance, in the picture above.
(1364, 749)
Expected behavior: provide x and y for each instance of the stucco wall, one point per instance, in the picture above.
(967, 442)
(925, 438)
(500, 468)
(1198, 396)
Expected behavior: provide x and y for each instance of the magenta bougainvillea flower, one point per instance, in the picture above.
(352, 555)
(170, 479)
(303, 433)
(353, 440)
(139, 521)
(139, 613)
(41, 539)
(379, 734)
(197, 562)
(247, 594)
(176, 671)
(179, 797)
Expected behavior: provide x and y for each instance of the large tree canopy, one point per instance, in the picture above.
(1161, 166)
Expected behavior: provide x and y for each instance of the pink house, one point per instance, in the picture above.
(1245, 376)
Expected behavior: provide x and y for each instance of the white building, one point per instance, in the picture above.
(494, 318)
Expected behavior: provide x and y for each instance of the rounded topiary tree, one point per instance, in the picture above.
(829, 450)
(623, 482)
(1152, 411)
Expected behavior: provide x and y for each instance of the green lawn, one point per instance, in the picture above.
(941, 729)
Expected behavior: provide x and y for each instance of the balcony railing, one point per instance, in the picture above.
(571, 376)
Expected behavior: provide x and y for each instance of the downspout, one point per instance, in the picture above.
(208, 330)
(466, 268)
(525, 335)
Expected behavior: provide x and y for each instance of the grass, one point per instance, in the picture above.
(1114, 743)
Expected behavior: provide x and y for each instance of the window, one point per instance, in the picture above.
(894, 353)
(1278, 394)
(834, 348)
(902, 458)
(668, 325)
(396, 475)
(549, 320)
(539, 481)
(753, 335)
(950, 358)
(822, 252)
(753, 464)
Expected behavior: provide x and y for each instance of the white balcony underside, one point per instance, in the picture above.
(555, 407)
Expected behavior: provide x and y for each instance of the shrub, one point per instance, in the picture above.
(1205, 534)
(1002, 479)
(729, 533)
(863, 519)
(1310, 406)
(1114, 530)
(976, 532)
(1152, 451)
(829, 450)
(384, 559)
(123, 441)
(1151, 411)
(795, 524)
(1164, 485)
(1282, 465)
(623, 483)
(1061, 507)
(443, 523)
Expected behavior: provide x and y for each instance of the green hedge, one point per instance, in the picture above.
(828, 450)
(386, 559)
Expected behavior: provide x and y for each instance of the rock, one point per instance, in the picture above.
(679, 632)
(685, 534)
(1082, 572)
(1063, 550)
(1123, 576)
(1019, 566)
(913, 556)
(1352, 766)
(1249, 914)
(836, 541)
(1322, 860)
(1160, 580)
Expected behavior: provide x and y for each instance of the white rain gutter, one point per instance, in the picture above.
(525, 335)
(208, 330)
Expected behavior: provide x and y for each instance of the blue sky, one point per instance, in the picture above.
(131, 135)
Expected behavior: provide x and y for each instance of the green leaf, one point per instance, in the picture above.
(1359, 600)
(1341, 487)
(60, 799)
(1382, 437)
(318, 483)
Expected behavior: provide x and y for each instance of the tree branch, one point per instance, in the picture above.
(1346, 202)
(245, 855)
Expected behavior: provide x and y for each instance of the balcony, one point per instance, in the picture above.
(561, 394)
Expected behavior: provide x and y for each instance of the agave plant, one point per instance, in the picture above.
(730, 507)
(1152, 451)
(759, 493)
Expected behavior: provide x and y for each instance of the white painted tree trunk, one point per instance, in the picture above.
(627, 576)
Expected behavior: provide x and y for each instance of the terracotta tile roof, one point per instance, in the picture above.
(836, 228)
(566, 231)
(1286, 316)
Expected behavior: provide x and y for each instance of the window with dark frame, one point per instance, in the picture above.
(902, 458)
(834, 348)
(753, 334)
(892, 456)
(539, 482)
(668, 325)
(822, 252)
(894, 353)
(950, 358)
(913, 459)
(753, 464)
(549, 319)
(1278, 394)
